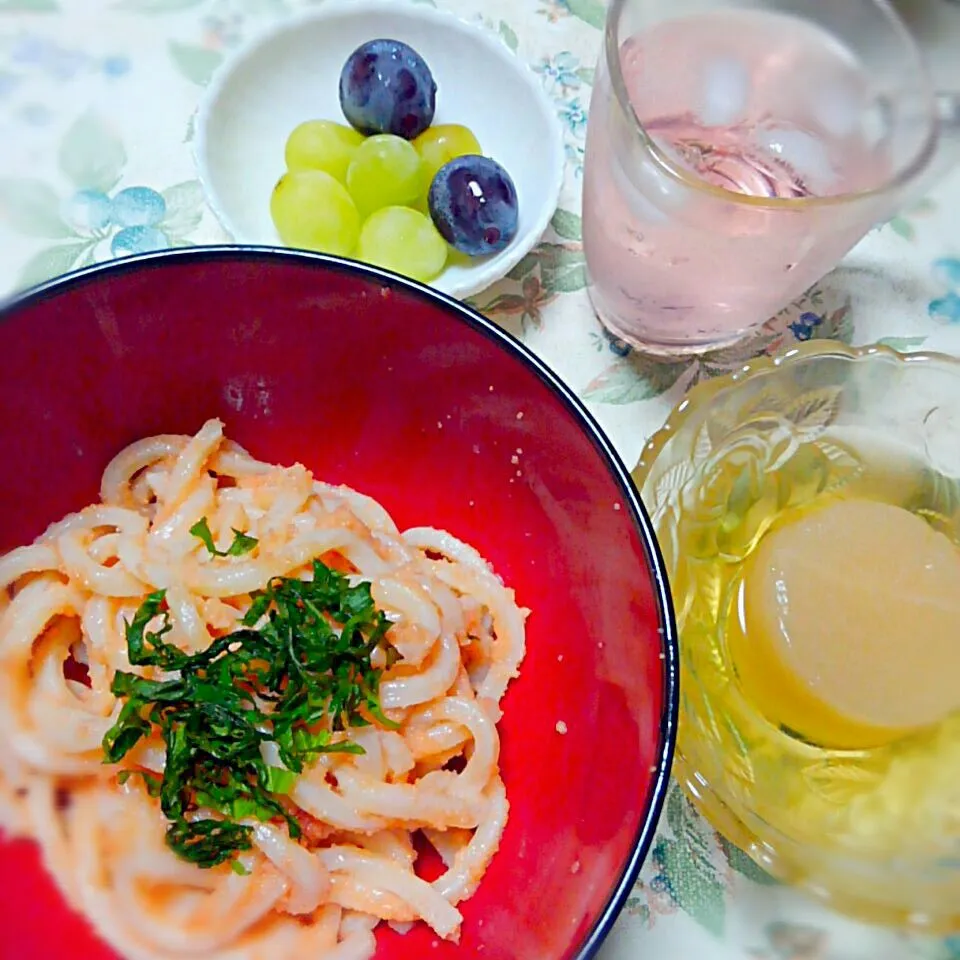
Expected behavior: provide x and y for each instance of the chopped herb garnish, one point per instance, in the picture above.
(242, 542)
(297, 673)
(280, 780)
(152, 781)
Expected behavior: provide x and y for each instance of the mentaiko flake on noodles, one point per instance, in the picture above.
(233, 695)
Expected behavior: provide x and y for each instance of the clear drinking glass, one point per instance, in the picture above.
(737, 149)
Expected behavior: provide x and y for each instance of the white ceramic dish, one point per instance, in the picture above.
(291, 74)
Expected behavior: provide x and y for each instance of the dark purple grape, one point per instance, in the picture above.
(387, 87)
(473, 203)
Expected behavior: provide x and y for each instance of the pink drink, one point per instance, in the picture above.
(768, 106)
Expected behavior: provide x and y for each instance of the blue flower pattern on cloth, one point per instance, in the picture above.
(56, 61)
(618, 347)
(134, 213)
(560, 71)
(89, 212)
(31, 53)
(564, 78)
(574, 115)
(138, 207)
(116, 66)
(804, 327)
(947, 272)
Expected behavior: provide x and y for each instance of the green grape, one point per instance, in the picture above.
(385, 171)
(322, 145)
(402, 240)
(443, 143)
(312, 210)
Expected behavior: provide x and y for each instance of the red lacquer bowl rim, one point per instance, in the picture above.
(643, 840)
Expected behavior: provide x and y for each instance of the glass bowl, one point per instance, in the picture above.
(874, 831)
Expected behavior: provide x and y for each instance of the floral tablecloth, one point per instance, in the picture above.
(97, 99)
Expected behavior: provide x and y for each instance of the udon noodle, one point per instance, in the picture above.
(430, 774)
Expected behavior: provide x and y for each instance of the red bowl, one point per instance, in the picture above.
(410, 396)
